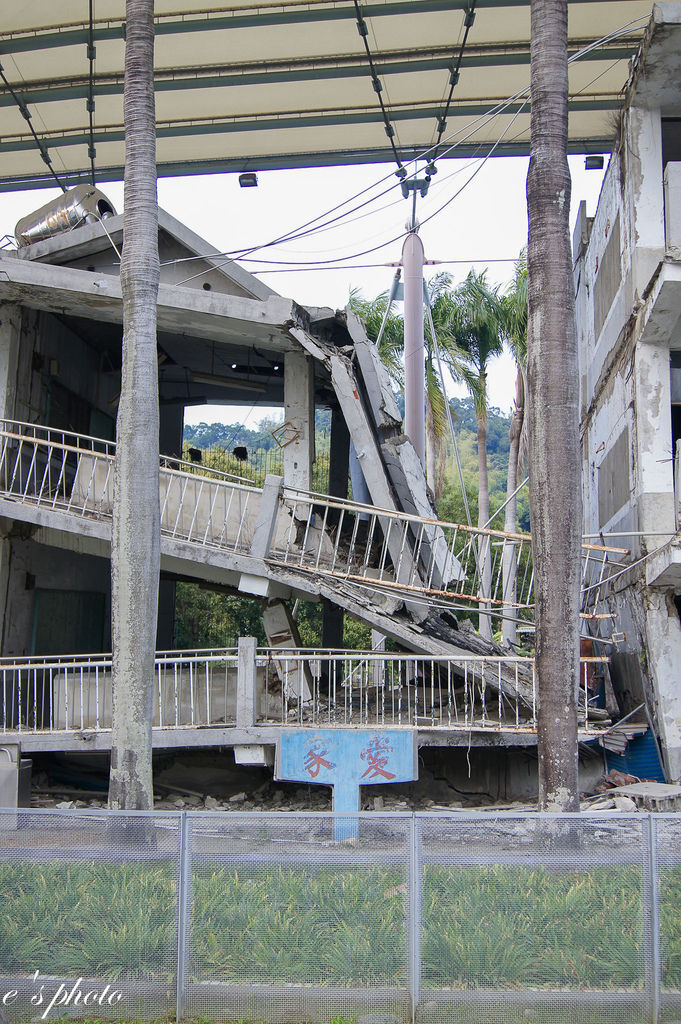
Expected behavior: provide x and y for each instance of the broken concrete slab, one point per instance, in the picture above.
(652, 796)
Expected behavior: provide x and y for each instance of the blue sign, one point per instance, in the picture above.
(346, 759)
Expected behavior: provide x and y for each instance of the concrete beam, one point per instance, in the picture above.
(259, 735)
(217, 317)
(299, 415)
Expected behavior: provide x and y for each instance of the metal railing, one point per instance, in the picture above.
(442, 563)
(73, 473)
(365, 688)
(426, 918)
(58, 694)
(417, 557)
(293, 687)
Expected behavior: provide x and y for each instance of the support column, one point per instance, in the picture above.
(282, 634)
(10, 327)
(414, 366)
(333, 617)
(333, 621)
(299, 414)
(171, 422)
(10, 330)
(339, 455)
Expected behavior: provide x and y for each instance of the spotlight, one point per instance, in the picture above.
(248, 180)
(593, 163)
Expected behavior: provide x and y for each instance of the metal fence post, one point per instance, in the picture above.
(414, 910)
(183, 914)
(651, 905)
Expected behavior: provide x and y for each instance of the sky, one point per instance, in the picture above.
(477, 211)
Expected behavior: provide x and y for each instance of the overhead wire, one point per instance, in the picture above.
(322, 264)
(402, 234)
(363, 30)
(454, 73)
(26, 114)
(385, 266)
(472, 126)
(242, 254)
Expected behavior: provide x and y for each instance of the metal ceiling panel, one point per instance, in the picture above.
(247, 86)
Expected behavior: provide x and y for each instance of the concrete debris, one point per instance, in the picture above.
(653, 796)
(614, 780)
(624, 803)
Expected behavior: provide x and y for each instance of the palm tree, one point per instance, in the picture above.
(553, 413)
(372, 313)
(457, 362)
(135, 534)
(474, 325)
(514, 319)
(391, 347)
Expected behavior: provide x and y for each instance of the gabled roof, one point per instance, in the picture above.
(287, 83)
(92, 246)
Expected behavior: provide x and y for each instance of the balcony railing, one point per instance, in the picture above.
(414, 558)
(199, 689)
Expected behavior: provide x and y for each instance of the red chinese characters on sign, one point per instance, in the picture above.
(376, 757)
(315, 759)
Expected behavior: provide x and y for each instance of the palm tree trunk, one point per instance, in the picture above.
(135, 536)
(510, 555)
(553, 411)
(484, 550)
(432, 446)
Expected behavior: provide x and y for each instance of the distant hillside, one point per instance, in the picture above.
(259, 440)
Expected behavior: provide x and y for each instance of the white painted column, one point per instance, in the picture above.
(653, 454)
(10, 330)
(282, 634)
(299, 414)
(414, 369)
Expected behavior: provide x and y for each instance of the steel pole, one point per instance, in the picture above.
(414, 359)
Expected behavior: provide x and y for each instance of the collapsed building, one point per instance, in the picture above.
(628, 289)
(224, 337)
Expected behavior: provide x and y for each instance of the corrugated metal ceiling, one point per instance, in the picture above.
(288, 84)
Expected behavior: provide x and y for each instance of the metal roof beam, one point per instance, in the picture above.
(285, 120)
(265, 74)
(216, 21)
(323, 158)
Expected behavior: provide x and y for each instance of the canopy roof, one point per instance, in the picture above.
(246, 86)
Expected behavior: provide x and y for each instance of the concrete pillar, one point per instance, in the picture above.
(378, 645)
(333, 620)
(171, 422)
(653, 463)
(414, 371)
(299, 414)
(333, 617)
(246, 688)
(282, 633)
(170, 427)
(663, 655)
(249, 583)
(339, 454)
(10, 328)
(360, 489)
(165, 627)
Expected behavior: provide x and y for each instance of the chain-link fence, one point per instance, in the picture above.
(494, 918)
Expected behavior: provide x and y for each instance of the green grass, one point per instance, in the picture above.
(496, 927)
(518, 927)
